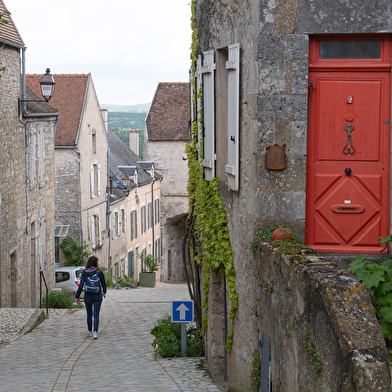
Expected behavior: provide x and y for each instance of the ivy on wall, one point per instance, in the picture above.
(207, 214)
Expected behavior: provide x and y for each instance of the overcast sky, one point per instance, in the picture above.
(128, 46)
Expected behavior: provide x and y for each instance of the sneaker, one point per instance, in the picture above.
(95, 335)
(90, 334)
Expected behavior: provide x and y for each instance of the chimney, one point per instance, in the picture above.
(105, 113)
(134, 141)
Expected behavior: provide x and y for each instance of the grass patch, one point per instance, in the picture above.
(60, 300)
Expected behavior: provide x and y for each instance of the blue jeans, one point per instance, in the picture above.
(93, 303)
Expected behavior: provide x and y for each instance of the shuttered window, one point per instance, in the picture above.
(233, 68)
(41, 154)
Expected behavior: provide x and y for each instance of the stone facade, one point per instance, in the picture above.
(27, 189)
(273, 38)
(165, 141)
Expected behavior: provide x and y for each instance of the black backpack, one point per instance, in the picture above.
(92, 283)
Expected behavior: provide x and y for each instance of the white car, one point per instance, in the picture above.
(68, 278)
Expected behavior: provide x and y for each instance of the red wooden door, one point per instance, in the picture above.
(348, 161)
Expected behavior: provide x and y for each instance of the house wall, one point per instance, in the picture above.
(138, 198)
(169, 158)
(26, 209)
(274, 42)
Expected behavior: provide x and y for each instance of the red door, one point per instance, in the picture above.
(348, 161)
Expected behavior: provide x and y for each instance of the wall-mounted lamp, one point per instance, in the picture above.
(47, 88)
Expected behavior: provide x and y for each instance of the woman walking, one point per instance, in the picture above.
(93, 283)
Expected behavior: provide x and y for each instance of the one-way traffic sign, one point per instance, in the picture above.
(182, 311)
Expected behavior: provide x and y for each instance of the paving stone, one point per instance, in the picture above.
(59, 356)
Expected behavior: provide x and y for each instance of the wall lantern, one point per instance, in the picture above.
(47, 89)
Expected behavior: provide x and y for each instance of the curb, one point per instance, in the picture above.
(35, 319)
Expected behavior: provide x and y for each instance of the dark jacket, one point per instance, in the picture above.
(91, 271)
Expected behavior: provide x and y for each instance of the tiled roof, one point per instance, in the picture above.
(68, 99)
(10, 32)
(168, 117)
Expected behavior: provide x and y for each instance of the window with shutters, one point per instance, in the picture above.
(96, 233)
(132, 226)
(150, 215)
(158, 249)
(135, 223)
(123, 221)
(95, 180)
(143, 220)
(41, 154)
(219, 73)
(32, 156)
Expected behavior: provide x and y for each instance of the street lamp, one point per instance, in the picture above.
(47, 89)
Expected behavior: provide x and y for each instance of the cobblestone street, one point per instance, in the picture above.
(59, 356)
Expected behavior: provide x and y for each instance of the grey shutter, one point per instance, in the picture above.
(144, 219)
(32, 156)
(41, 154)
(99, 231)
(208, 115)
(92, 181)
(131, 264)
(265, 371)
(98, 185)
(135, 216)
(233, 98)
(198, 107)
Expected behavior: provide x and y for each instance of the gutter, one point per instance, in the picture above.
(80, 197)
(108, 210)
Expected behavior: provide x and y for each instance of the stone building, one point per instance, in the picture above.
(26, 179)
(297, 110)
(135, 199)
(81, 147)
(167, 132)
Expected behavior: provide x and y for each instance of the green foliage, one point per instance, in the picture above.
(124, 281)
(60, 300)
(150, 262)
(167, 342)
(108, 277)
(255, 371)
(268, 288)
(318, 366)
(377, 279)
(265, 235)
(2, 23)
(207, 218)
(74, 253)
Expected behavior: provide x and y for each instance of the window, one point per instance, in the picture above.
(131, 264)
(220, 133)
(123, 220)
(156, 211)
(356, 49)
(133, 225)
(95, 181)
(94, 141)
(96, 233)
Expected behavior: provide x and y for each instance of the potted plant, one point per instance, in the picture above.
(147, 275)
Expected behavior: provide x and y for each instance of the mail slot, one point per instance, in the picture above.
(348, 209)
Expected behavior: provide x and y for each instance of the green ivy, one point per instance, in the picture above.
(207, 211)
(2, 23)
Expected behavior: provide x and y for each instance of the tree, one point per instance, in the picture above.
(74, 253)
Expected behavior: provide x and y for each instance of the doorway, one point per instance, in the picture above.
(348, 160)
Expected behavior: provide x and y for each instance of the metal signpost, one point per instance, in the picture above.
(182, 312)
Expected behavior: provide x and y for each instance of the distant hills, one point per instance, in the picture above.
(140, 108)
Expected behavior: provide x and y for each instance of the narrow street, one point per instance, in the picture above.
(59, 356)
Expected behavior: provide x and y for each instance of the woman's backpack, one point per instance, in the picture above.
(92, 283)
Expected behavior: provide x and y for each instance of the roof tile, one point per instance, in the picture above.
(9, 30)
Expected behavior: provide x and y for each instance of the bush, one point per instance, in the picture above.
(167, 342)
(74, 253)
(124, 281)
(108, 277)
(60, 300)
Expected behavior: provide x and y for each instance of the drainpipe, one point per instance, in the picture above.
(108, 210)
(153, 220)
(24, 79)
(80, 196)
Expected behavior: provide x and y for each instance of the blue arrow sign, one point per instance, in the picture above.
(182, 311)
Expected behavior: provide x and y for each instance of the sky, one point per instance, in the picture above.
(128, 46)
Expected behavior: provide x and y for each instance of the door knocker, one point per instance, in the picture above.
(349, 128)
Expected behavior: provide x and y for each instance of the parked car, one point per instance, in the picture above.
(68, 278)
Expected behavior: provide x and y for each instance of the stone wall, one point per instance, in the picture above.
(318, 302)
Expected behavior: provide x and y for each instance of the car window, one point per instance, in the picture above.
(62, 276)
(78, 273)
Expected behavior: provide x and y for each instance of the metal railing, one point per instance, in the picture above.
(42, 278)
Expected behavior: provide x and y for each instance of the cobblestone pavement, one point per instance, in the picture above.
(59, 356)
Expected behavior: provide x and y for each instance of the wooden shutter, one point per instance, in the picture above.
(207, 71)
(132, 227)
(144, 219)
(92, 181)
(233, 68)
(98, 180)
(32, 156)
(135, 217)
(93, 240)
(198, 107)
(99, 231)
(41, 154)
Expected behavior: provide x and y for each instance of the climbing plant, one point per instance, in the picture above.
(207, 241)
(2, 23)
